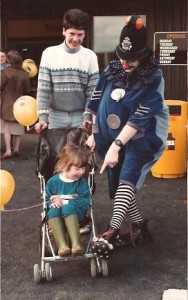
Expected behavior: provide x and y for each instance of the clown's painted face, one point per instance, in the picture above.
(129, 66)
(73, 37)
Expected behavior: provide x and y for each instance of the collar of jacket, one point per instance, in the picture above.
(147, 73)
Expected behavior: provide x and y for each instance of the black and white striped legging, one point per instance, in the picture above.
(124, 203)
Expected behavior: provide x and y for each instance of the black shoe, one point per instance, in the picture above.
(138, 233)
(142, 234)
(123, 240)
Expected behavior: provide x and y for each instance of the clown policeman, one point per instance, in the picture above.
(130, 127)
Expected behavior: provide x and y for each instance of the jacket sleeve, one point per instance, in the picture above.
(84, 195)
(3, 79)
(96, 96)
(27, 88)
(93, 77)
(44, 87)
(150, 105)
(49, 191)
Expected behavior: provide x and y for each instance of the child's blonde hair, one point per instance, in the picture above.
(72, 155)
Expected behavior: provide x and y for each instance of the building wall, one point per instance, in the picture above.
(161, 16)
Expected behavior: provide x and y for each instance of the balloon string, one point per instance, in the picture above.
(30, 128)
(19, 209)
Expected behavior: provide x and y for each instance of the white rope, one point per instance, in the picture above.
(20, 209)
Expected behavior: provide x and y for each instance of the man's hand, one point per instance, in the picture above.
(87, 125)
(91, 142)
(40, 126)
(111, 158)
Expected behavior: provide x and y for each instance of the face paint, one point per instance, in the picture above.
(129, 66)
(125, 65)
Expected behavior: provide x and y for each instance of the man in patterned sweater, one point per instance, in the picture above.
(68, 74)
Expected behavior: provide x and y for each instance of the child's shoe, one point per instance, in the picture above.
(77, 250)
(64, 251)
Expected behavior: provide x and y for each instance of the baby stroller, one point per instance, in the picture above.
(48, 149)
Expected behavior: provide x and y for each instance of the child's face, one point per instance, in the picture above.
(74, 173)
(73, 37)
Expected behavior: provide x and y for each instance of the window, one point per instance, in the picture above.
(107, 31)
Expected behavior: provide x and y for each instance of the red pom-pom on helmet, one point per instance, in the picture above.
(135, 20)
(139, 23)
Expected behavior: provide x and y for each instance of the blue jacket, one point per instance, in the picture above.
(139, 102)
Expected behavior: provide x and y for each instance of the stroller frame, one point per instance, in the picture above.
(44, 270)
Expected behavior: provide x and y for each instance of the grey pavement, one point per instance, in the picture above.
(135, 273)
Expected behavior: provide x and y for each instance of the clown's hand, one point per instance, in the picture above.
(111, 158)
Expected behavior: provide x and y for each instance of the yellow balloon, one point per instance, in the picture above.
(30, 67)
(28, 60)
(25, 110)
(7, 186)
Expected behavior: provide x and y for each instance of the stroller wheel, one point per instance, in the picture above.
(93, 267)
(104, 267)
(37, 273)
(48, 272)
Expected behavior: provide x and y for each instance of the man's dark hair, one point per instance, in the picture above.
(76, 18)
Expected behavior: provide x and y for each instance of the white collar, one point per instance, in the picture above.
(65, 179)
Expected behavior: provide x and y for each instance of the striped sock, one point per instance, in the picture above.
(133, 212)
(124, 202)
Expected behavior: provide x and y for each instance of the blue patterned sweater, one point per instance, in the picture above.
(66, 80)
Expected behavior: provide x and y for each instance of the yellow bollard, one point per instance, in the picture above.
(172, 163)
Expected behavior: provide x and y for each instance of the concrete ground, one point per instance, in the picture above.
(140, 273)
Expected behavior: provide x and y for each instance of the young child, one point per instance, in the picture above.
(68, 198)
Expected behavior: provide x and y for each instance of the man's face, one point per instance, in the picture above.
(73, 37)
(2, 58)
